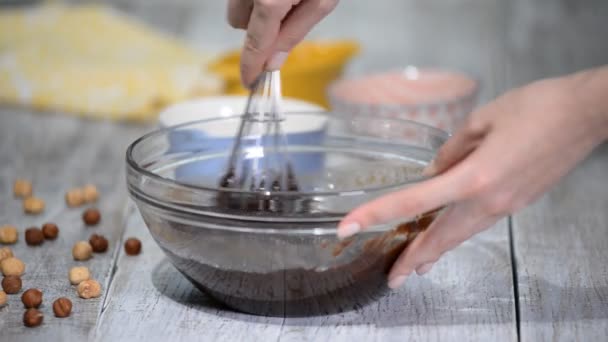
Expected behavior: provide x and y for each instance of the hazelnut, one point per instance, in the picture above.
(3, 298)
(62, 307)
(32, 298)
(91, 217)
(82, 250)
(11, 284)
(33, 205)
(89, 289)
(12, 266)
(90, 193)
(22, 188)
(132, 246)
(99, 243)
(32, 318)
(74, 197)
(5, 252)
(50, 231)
(8, 234)
(79, 274)
(34, 236)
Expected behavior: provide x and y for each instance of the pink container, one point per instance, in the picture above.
(435, 97)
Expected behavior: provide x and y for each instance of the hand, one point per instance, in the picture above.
(273, 27)
(506, 155)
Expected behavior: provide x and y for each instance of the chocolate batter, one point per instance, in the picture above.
(307, 292)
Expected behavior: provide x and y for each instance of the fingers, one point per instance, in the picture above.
(458, 146)
(239, 12)
(262, 32)
(299, 22)
(407, 203)
(452, 227)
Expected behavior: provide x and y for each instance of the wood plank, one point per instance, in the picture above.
(560, 242)
(562, 264)
(57, 153)
(468, 295)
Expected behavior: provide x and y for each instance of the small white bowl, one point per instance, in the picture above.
(222, 106)
(219, 134)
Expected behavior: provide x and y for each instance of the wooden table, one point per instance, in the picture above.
(541, 274)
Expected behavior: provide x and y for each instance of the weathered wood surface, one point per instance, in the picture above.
(561, 242)
(561, 246)
(57, 153)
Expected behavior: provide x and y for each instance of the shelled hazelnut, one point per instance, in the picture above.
(33, 205)
(74, 197)
(8, 234)
(22, 188)
(79, 274)
(89, 289)
(3, 298)
(5, 252)
(12, 266)
(90, 193)
(82, 250)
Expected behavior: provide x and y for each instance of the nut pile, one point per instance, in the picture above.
(12, 268)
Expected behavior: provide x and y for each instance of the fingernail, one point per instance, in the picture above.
(276, 61)
(348, 230)
(396, 282)
(424, 268)
(430, 169)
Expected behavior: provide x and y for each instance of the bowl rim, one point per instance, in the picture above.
(131, 163)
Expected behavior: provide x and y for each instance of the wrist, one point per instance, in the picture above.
(587, 92)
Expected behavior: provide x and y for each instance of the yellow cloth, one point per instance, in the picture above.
(93, 61)
(309, 69)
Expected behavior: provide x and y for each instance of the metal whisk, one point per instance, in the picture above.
(259, 160)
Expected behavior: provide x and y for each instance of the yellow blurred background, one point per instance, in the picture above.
(95, 61)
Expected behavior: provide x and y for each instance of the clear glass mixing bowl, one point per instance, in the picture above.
(288, 263)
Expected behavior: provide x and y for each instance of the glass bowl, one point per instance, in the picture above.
(436, 97)
(287, 263)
